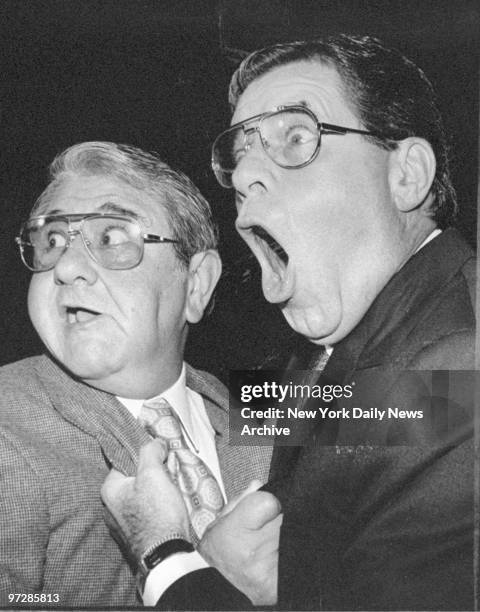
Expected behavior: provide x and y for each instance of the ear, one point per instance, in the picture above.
(412, 167)
(203, 273)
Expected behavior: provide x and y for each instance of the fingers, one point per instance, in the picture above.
(113, 486)
(257, 509)
(151, 467)
(252, 487)
(152, 454)
(271, 535)
(145, 508)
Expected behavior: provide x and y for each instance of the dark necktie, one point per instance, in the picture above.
(201, 492)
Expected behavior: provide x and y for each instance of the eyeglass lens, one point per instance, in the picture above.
(114, 242)
(289, 137)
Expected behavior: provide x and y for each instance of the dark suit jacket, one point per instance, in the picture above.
(58, 440)
(379, 514)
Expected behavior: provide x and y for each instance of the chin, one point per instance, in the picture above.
(89, 365)
(88, 371)
(315, 326)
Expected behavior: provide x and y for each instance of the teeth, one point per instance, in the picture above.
(80, 315)
(84, 315)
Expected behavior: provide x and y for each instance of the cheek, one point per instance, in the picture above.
(333, 213)
(38, 303)
(151, 301)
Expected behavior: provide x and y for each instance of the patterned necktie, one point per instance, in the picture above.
(201, 493)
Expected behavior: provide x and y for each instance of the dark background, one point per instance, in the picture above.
(154, 74)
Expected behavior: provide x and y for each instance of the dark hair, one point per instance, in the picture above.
(389, 94)
(188, 212)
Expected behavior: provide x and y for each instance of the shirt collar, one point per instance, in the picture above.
(430, 236)
(175, 395)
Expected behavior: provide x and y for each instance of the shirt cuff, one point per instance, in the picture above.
(167, 572)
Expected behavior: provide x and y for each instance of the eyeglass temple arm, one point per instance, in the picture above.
(338, 129)
(155, 238)
(146, 238)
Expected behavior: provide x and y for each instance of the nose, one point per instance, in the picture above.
(253, 169)
(75, 265)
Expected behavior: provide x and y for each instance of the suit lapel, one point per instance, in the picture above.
(239, 465)
(99, 415)
(285, 457)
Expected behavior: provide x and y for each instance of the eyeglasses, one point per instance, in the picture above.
(290, 136)
(113, 241)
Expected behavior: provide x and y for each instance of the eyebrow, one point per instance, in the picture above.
(119, 210)
(301, 103)
(108, 207)
(304, 103)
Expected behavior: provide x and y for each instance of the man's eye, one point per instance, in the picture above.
(239, 146)
(113, 236)
(56, 240)
(299, 135)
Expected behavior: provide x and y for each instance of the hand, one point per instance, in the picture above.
(149, 507)
(242, 543)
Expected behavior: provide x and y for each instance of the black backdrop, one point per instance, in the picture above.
(154, 74)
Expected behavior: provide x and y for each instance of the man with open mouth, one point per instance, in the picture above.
(338, 161)
(122, 251)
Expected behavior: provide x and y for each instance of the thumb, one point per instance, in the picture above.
(152, 455)
(152, 471)
(113, 484)
(257, 509)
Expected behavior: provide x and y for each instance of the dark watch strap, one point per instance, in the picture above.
(158, 553)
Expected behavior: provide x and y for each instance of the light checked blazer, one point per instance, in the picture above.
(58, 440)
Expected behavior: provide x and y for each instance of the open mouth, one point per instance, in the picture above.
(275, 253)
(277, 275)
(80, 315)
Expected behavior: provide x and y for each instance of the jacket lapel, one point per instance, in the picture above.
(99, 415)
(285, 457)
(239, 465)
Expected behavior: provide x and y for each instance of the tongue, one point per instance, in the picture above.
(84, 315)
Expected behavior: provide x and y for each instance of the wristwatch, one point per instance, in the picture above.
(155, 554)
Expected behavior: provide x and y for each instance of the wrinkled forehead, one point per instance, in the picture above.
(69, 190)
(77, 193)
(310, 83)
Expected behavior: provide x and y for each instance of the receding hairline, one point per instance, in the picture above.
(187, 212)
(50, 193)
(345, 86)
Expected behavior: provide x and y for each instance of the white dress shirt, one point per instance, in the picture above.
(430, 236)
(200, 438)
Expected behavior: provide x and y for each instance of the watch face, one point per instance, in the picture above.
(158, 552)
